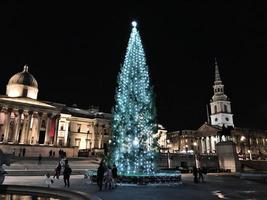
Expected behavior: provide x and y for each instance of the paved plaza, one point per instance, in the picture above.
(218, 186)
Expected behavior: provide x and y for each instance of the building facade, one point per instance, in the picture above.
(24, 120)
(220, 127)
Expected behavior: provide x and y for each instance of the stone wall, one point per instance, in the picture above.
(186, 160)
(35, 150)
(227, 155)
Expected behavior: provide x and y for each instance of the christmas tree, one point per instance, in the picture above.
(134, 116)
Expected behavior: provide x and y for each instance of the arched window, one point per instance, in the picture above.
(215, 109)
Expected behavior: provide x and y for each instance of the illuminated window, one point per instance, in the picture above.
(78, 128)
(77, 142)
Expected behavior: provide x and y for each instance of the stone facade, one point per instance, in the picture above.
(36, 124)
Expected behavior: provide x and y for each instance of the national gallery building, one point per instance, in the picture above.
(26, 122)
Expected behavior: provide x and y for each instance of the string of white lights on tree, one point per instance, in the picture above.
(134, 115)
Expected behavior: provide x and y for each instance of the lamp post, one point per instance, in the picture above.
(168, 154)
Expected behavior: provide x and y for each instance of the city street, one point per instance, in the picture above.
(218, 186)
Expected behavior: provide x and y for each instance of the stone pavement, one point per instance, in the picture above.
(218, 186)
(30, 166)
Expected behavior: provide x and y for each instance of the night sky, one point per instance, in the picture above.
(75, 50)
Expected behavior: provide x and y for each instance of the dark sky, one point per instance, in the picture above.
(74, 51)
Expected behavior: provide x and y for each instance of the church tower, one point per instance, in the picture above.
(220, 105)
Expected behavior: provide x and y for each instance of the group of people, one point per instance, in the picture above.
(63, 166)
(107, 175)
(52, 154)
(199, 174)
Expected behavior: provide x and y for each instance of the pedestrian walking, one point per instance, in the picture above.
(108, 178)
(114, 175)
(54, 153)
(57, 171)
(66, 173)
(195, 173)
(39, 159)
(200, 175)
(23, 152)
(204, 173)
(100, 175)
(50, 154)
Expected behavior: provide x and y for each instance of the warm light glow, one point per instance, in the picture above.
(249, 151)
(242, 138)
(195, 144)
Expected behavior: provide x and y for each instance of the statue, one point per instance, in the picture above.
(3, 160)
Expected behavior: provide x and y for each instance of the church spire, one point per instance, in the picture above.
(217, 73)
(221, 114)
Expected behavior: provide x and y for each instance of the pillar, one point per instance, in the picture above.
(210, 144)
(40, 114)
(66, 135)
(18, 126)
(48, 122)
(56, 130)
(22, 137)
(203, 145)
(7, 124)
(27, 128)
(34, 133)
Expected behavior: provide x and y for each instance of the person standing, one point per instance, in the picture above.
(195, 173)
(23, 152)
(200, 175)
(40, 159)
(114, 175)
(100, 175)
(50, 154)
(66, 173)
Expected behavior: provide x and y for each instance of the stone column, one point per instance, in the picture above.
(48, 122)
(56, 130)
(210, 144)
(23, 133)
(66, 134)
(199, 145)
(18, 127)
(27, 128)
(7, 124)
(35, 125)
(38, 127)
(205, 145)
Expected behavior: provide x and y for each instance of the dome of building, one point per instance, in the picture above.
(22, 84)
(23, 78)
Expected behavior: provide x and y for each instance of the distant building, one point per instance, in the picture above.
(24, 120)
(161, 136)
(204, 139)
